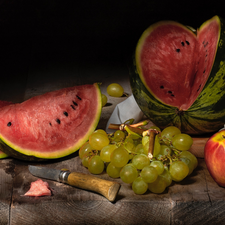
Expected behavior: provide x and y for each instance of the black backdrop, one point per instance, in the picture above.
(87, 30)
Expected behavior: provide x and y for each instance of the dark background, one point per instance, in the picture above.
(100, 30)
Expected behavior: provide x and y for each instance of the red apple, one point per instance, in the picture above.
(215, 157)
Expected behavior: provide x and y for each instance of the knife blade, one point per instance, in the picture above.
(108, 189)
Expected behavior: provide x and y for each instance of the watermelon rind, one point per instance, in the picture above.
(15, 151)
(3, 155)
(207, 113)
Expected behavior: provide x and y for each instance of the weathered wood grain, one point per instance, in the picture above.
(198, 196)
(6, 187)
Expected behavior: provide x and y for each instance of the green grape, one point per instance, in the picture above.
(158, 186)
(128, 173)
(106, 152)
(139, 186)
(119, 135)
(137, 141)
(101, 131)
(85, 148)
(115, 90)
(146, 147)
(156, 146)
(167, 176)
(85, 160)
(149, 174)
(165, 150)
(139, 149)
(119, 157)
(178, 170)
(98, 140)
(158, 165)
(182, 142)
(140, 161)
(129, 144)
(189, 163)
(113, 171)
(104, 100)
(95, 165)
(170, 131)
(189, 155)
(145, 140)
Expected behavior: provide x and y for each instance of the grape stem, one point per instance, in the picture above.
(151, 133)
(121, 126)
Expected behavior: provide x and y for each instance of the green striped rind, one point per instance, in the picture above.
(28, 155)
(207, 113)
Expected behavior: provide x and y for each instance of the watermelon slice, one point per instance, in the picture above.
(178, 76)
(38, 188)
(2, 154)
(52, 125)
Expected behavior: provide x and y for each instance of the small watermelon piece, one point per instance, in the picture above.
(39, 188)
(52, 125)
(178, 76)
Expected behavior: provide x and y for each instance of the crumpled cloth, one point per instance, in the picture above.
(125, 110)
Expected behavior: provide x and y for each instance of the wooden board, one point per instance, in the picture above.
(197, 195)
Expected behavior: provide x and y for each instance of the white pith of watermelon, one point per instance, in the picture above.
(51, 125)
(174, 63)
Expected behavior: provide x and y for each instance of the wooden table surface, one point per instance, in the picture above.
(197, 200)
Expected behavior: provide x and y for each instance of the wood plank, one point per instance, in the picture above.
(6, 187)
(197, 194)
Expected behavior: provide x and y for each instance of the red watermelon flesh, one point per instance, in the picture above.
(2, 104)
(51, 125)
(38, 188)
(168, 48)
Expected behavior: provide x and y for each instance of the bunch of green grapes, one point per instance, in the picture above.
(125, 155)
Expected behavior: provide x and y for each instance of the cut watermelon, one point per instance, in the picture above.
(52, 125)
(178, 76)
(38, 188)
(2, 154)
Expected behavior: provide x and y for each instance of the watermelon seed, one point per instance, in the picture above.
(78, 97)
(72, 107)
(199, 87)
(9, 124)
(172, 95)
(182, 43)
(161, 86)
(170, 92)
(187, 42)
(65, 113)
(58, 121)
(178, 50)
(206, 44)
(75, 103)
(50, 124)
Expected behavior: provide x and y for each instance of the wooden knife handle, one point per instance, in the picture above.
(107, 188)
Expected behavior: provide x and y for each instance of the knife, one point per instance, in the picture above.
(108, 189)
